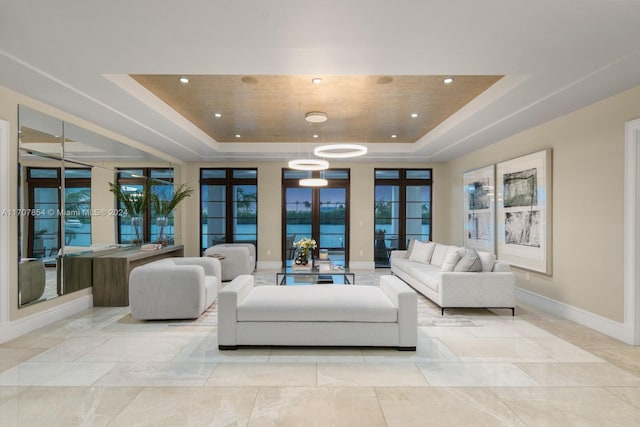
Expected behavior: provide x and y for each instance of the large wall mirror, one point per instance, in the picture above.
(67, 215)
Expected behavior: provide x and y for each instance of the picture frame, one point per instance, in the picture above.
(479, 208)
(523, 211)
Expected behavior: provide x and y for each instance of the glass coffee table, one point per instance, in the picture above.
(337, 276)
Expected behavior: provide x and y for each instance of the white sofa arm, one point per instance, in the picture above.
(211, 265)
(228, 299)
(166, 288)
(398, 254)
(406, 300)
(487, 289)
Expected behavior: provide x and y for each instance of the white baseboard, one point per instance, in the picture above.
(609, 327)
(362, 265)
(269, 265)
(16, 328)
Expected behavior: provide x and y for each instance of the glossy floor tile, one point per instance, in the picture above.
(370, 375)
(188, 406)
(444, 406)
(470, 367)
(568, 406)
(475, 375)
(317, 406)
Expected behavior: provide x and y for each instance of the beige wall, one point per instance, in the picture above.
(588, 200)
(270, 206)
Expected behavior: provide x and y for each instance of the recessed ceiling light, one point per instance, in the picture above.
(238, 135)
(448, 80)
(184, 79)
(414, 115)
(316, 81)
(394, 136)
(217, 115)
(315, 135)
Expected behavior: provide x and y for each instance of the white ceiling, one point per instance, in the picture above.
(557, 55)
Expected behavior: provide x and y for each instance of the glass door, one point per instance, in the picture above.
(333, 222)
(319, 213)
(298, 219)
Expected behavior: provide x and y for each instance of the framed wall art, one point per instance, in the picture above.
(523, 211)
(479, 208)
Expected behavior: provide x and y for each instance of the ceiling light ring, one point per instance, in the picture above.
(340, 151)
(309, 164)
(313, 182)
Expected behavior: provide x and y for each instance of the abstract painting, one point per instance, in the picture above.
(523, 211)
(479, 208)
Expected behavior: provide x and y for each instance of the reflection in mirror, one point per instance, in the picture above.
(67, 215)
(40, 147)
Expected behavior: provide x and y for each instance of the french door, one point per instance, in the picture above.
(320, 213)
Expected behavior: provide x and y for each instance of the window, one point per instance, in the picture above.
(45, 231)
(320, 213)
(402, 210)
(146, 229)
(233, 222)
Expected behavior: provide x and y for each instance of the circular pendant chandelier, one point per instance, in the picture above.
(313, 182)
(340, 151)
(309, 164)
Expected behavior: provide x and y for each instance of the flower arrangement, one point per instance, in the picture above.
(304, 245)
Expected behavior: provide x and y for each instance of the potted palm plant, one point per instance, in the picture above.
(163, 207)
(135, 203)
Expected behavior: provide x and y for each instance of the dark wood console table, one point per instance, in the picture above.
(111, 273)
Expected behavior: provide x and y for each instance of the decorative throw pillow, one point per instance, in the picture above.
(451, 261)
(410, 247)
(439, 254)
(469, 262)
(422, 251)
(487, 259)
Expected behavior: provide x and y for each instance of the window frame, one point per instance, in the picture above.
(229, 182)
(403, 182)
(144, 179)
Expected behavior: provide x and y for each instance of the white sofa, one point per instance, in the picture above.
(174, 288)
(235, 258)
(493, 287)
(317, 315)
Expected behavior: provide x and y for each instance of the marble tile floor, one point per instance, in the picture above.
(93, 369)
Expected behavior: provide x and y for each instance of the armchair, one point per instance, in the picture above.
(174, 288)
(235, 258)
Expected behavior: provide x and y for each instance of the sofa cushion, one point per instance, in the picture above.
(451, 260)
(427, 275)
(317, 303)
(402, 264)
(422, 252)
(469, 262)
(439, 254)
(487, 259)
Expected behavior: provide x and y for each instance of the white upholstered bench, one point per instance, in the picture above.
(317, 315)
